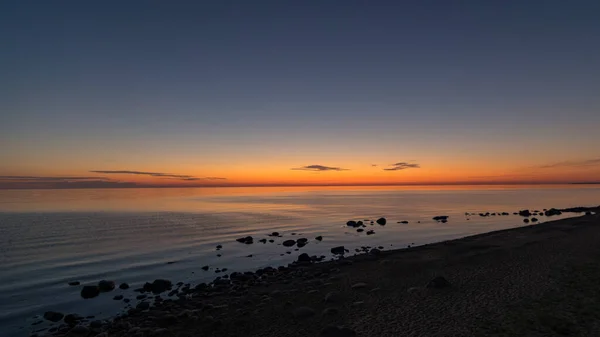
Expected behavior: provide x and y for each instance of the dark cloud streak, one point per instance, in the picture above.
(577, 163)
(319, 168)
(401, 166)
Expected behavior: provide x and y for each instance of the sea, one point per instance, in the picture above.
(49, 238)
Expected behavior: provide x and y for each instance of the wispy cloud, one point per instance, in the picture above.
(402, 166)
(158, 174)
(50, 179)
(374, 165)
(319, 168)
(573, 163)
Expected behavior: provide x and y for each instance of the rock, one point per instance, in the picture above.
(143, 306)
(441, 218)
(74, 283)
(319, 238)
(351, 223)
(118, 297)
(80, 330)
(205, 268)
(340, 250)
(53, 316)
(370, 232)
(534, 220)
(304, 312)
(262, 240)
(375, 251)
(247, 240)
(552, 212)
(404, 222)
(160, 285)
(300, 244)
(106, 286)
(141, 297)
(124, 286)
(219, 246)
(274, 234)
(302, 240)
(333, 297)
(438, 283)
(588, 213)
(360, 230)
(304, 258)
(73, 319)
(271, 240)
(359, 285)
(525, 213)
(336, 331)
(96, 324)
(289, 243)
(90, 292)
(382, 221)
(526, 220)
(330, 311)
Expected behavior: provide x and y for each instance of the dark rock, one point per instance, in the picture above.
(382, 221)
(404, 222)
(74, 283)
(304, 312)
(319, 238)
(300, 244)
(126, 300)
(359, 224)
(304, 258)
(271, 240)
(219, 246)
(303, 240)
(351, 223)
(525, 213)
(441, 218)
(80, 330)
(505, 213)
(160, 285)
(330, 311)
(289, 243)
(73, 319)
(588, 213)
(534, 220)
(247, 240)
(124, 286)
(438, 283)
(274, 234)
(141, 297)
(90, 292)
(250, 255)
(526, 220)
(338, 250)
(106, 286)
(53, 316)
(143, 306)
(370, 232)
(552, 212)
(205, 268)
(375, 251)
(262, 240)
(118, 297)
(360, 230)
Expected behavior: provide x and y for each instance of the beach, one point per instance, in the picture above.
(536, 280)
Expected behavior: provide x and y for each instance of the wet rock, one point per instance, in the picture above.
(53, 316)
(381, 221)
(274, 234)
(552, 212)
(588, 213)
(124, 286)
(438, 282)
(360, 285)
(441, 218)
(143, 306)
(525, 213)
(304, 258)
(375, 251)
(360, 230)
(338, 250)
(288, 243)
(74, 283)
(106, 286)
(118, 297)
(161, 285)
(141, 297)
(526, 220)
(303, 312)
(247, 240)
(72, 319)
(370, 232)
(403, 222)
(352, 223)
(219, 246)
(319, 238)
(80, 330)
(262, 240)
(271, 240)
(302, 240)
(205, 268)
(534, 220)
(90, 292)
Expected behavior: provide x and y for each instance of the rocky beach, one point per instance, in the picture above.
(536, 280)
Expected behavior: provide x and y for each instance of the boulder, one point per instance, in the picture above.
(124, 286)
(534, 220)
(340, 250)
(552, 212)
(525, 213)
(304, 258)
(90, 292)
(289, 243)
(73, 319)
(247, 240)
(526, 220)
(205, 268)
(319, 238)
(351, 223)
(161, 285)
(370, 232)
(382, 221)
(106, 286)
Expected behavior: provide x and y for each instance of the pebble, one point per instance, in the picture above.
(304, 312)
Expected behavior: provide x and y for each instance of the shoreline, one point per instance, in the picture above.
(257, 300)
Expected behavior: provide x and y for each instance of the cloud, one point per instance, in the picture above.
(153, 174)
(574, 163)
(373, 165)
(401, 166)
(319, 168)
(205, 178)
(49, 179)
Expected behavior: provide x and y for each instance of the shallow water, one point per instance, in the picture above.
(51, 237)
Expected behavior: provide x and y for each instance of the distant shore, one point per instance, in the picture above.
(536, 280)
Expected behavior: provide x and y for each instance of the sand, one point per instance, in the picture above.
(539, 280)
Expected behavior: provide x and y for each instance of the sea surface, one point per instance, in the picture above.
(51, 237)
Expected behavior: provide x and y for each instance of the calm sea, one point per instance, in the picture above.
(51, 237)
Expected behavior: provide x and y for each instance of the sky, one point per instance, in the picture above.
(245, 93)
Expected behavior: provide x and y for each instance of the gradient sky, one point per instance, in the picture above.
(251, 92)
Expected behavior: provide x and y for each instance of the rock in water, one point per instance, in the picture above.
(526, 220)
(143, 306)
(552, 212)
(319, 238)
(304, 312)
(382, 221)
(160, 285)
(375, 251)
(74, 283)
(118, 297)
(247, 240)
(370, 232)
(351, 223)
(53, 316)
(106, 286)
(289, 243)
(534, 220)
(204, 268)
(340, 250)
(441, 218)
(438, 283)
(525, 213)
(90, 292)
(124, 286)
(304, 258)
